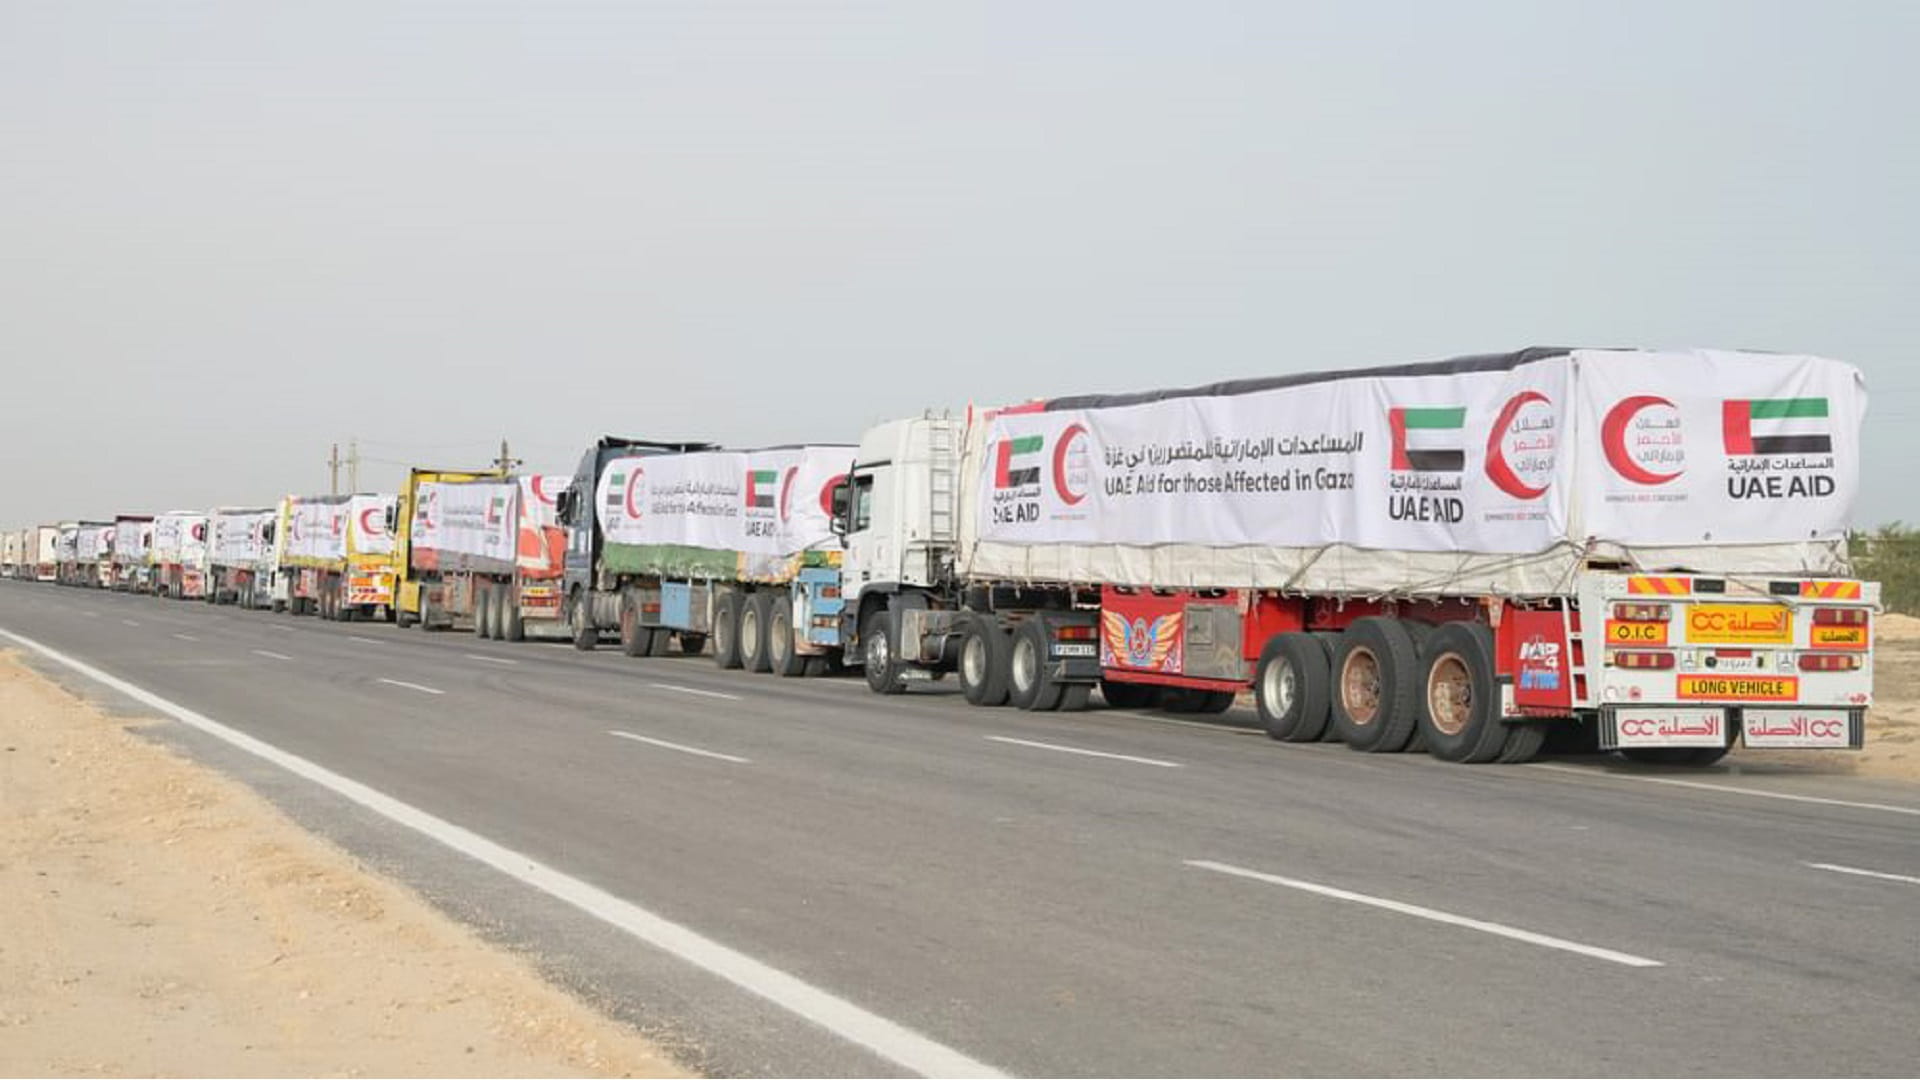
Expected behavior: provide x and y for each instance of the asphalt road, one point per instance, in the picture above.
(1103, 893)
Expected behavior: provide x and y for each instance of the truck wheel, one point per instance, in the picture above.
(661, 642)
(497, 599)
(1375, 686)
(1459, 700)
(1129, 695)
(984, 655)
(1290, 687)
(1419, 630)
(883, 668)
(817, 666)
(513, 625)
(635, 640)
(692, 644)
(404, 619)
(1029, 686)
(1687, 756)
(1525, 740)
(429, 619)
(726, 629)
(781, 653)
(585, 634)
(482, 607)
(753, 634)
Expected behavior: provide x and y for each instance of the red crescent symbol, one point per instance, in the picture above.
(1498, 470)
(632, 479)
(1067, 495)
(539, 486)
(786, 492)
(366, 522)
(826, 492)
(1613, 437)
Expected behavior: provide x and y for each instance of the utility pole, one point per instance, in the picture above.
(353, 465)
(333, 468)
(506, 461)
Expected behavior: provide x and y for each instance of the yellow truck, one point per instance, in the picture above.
(416, 582)
(338, 555)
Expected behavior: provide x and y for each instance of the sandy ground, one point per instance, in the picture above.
(160, 919)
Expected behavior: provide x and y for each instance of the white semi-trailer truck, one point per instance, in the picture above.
(1646, 548)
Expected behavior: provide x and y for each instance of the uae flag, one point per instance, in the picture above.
(1777, 426)
(760, 487)
(1014, 464)
(1429, 440)
(616, 491)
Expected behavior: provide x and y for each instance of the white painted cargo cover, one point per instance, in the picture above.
(240, 538)
(1491, 475)
(180, 536)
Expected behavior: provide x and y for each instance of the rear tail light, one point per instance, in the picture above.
(1659, 661)
(1829, 662)
(1073, 633)
(830, 592)
(1839, 616)
(1641, 612)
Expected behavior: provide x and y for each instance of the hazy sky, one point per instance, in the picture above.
(232, 234)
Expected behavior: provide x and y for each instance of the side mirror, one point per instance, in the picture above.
(392, 518)
(563, 505)
(838, 504)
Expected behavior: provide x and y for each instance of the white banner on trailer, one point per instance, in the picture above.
(1717, 448)
(761, 502)
(240, 539)
(471, 518)
(367, 524)
(1470, 461)
(180, 536)
(316, 529)
(132, 540)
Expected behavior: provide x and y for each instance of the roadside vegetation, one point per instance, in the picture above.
(1890, 555)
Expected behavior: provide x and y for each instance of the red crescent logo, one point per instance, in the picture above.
(1498, 470)
(539, 486)
(633, 478)
(826, 492)
(368, 524)
(786, 492)
(1613, 437)
(1060, 448)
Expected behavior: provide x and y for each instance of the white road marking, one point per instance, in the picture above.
(412, 686)
(186, 637)
(1913, 810)
(1088, 753)
(1865, 873)
(691, 690)
(366, 640)
(491, 659)
(1417, 911)
(682, 749)
(274, 655)
(129, 622)
(894, 1042)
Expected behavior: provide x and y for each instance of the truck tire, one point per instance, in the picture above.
(1419, 630)
(1029, 685)
(883, 667)
(1375, 686)
(1686, 756)
(497, 599)
(1330, 641)
(753, 634)
(1525, 740)
(782, 654)
(1459, 706)
(1291, 684)
(585, 634)
(985, 651)
(692, 644)
(1129, 695)
(429, 619)
(482, 607)
(661, 644)
(726, 630)
(635, 640)
(513, 625)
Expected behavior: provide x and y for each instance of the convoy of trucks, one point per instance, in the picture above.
(1640, 551)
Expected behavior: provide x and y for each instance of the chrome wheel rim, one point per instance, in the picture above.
(1280, 686)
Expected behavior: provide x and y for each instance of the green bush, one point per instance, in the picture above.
(1890, 555)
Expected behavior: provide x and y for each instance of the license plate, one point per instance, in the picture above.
(1073, 649)
(1738, 624)
(1670, 727)
(1796, 728)
(1735, 663)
